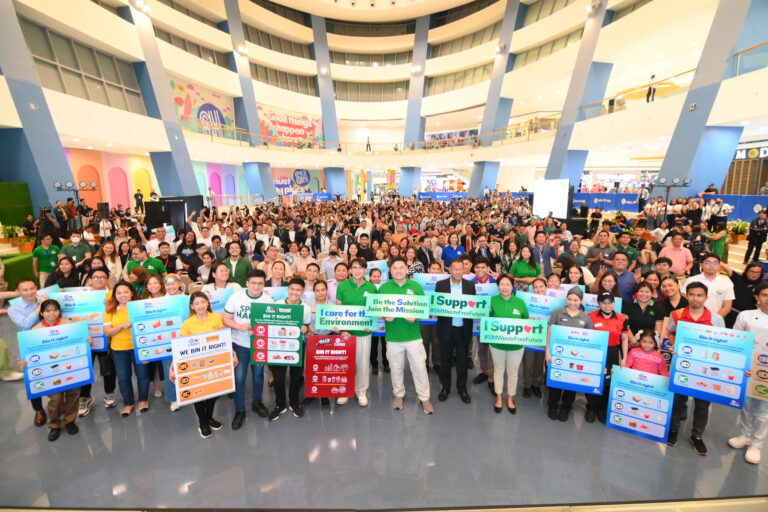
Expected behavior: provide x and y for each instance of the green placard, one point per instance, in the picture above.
(462, 306)
(276, 337)
(513, 331)
(397, 306)
(346, 318)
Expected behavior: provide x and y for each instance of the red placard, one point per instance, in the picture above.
(330, 366)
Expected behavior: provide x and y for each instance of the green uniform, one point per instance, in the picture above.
(349, 294)
(521, 268)
(76, 253)
(514, 307)
(47, 259)
(240, 271)
(631, 253)
(400, 329)
(153, 266)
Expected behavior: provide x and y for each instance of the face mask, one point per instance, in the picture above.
(75, 240)
(333, 253)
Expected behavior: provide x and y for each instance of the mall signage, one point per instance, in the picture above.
(751, 153)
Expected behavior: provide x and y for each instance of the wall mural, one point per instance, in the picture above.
(285, 128)
(293, 181)
(202, 110)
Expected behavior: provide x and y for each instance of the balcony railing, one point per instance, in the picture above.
(752, 59)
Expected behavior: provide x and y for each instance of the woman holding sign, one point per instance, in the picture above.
(506, 357)
(201, 320)
(117, 326)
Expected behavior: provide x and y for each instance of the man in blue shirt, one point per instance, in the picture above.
(25, 314)
(627, 284)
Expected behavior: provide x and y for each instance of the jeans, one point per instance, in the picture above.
(170, 387)
(124, 361)
(241, 374)
(700, 414)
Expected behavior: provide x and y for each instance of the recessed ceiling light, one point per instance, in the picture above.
(745, 123)
(89, 147)
(660, 56)
(109, 144)
(694, 43)
(76, 139)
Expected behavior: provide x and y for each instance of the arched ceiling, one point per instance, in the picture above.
(372, 10)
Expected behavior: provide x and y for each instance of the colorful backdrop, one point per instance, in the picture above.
(281, 127)
(196, 104)
(290, 181)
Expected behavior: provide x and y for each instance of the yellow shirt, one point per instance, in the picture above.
(193, 325)
(122, 340)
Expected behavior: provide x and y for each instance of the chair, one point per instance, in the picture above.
(195, 287)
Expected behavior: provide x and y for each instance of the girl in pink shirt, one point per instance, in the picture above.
(647, 357)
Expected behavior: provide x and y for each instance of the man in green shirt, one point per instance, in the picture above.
(352, 292)
(237, 265)
(403, 337)
(79, 252)
(624, 240)
(45, 258)
(141, 259)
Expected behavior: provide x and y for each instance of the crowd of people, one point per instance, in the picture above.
(663, 274)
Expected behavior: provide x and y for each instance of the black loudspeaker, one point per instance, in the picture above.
(577, 225)
(103, 209)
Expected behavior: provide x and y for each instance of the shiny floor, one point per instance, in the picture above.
(350, 457)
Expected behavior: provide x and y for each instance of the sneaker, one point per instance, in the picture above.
(260, 409)
(298, 412)
(698, 445)
(205, 431)
(738, 442)
(752, 455)
(341, 401)
(13, 376)
(175, 406)
(375, 370)
(427, 406)
(552, 413)
(85, 406)
(72, 428)
(563, 415)
(536, 390)
(275, 414)
(325, 403)
(215, 424)
(397, 403)
(362, 401)
(672, 438)
(109, 400)
(53, 434)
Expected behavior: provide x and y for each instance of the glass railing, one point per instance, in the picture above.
(638, 95)
(752, 59)
(531, 126)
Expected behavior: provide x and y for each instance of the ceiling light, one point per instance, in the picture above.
(242, 50)
(109, 144)
(416, 69)
(500, 48)
(323, 70)
(76, 139)
(694, 43)
(89, 147)
(745, 123)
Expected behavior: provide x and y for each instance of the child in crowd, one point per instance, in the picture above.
(647, 357)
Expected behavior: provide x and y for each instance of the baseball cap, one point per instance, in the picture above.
(575, 291)
(605, 297)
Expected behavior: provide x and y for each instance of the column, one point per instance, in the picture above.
(258, 176)
(588, 83)
(246, 113)
(336, 180)
(173, 168)
(409, 182)
(697, 151)
(32, 153)
(497, 108)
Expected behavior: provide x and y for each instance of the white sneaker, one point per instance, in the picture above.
(175, 406)
(738, 442)
(341, 401)
(110, 400)
(13, 376)
(362, 400)
(84, 408)
(752, 455)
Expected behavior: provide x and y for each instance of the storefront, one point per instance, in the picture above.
(748, 171)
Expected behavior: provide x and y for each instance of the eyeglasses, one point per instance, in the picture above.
(99, 278)
(711, 262)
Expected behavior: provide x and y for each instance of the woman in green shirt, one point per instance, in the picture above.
(506, 357)
(525, 270)
(717, 240)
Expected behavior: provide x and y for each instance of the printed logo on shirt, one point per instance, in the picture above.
(581, 322)
(599, 325)
(409, 292)
(515, 311)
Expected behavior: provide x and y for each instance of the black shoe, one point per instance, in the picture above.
(307, 400)
(492, 388)
(563, 414)
(536, 390)
(481, 377)
(601, 416)
(698, 445)
(552, 413)
(215, 424)
(325, 403)
(589, 416)
(386, 368)
(443, 396)
(53, 434)
(497, 410)
(205, 431)
(465, 396)
(512, 410)
(526, 392)
(672, 438)
(375, 369)
(72, 429)
(260, 409)
(470, 363)
(237, 421)
(275, 414)
(230, 395)
(298, 412)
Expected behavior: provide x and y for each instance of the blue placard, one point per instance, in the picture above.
(88, 307)
(322, 196)
(640, 403)
(486, 289)
(440, 196)
(154, 323)
(429, 281)
(218, 298)
(382, 265)
(540, 306)
(276, 293)
(709, 363)
(58, 358)
(42, 291)
(578, 359)
(590, 303)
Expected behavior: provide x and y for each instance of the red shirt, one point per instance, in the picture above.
(684, 315)
(614, 325)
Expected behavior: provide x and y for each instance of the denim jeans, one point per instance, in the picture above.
(124, 361)
(241, 375)
(170, 387)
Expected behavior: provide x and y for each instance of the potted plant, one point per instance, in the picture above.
(738, 229)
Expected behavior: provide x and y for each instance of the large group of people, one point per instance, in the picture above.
(663, 274)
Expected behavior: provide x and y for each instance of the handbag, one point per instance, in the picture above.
(106, 363)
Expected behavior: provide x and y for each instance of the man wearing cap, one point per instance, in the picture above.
(617, 327)
(570, 316)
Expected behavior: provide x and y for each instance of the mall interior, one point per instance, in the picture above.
(243, 102)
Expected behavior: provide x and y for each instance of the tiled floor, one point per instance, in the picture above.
(464, 455)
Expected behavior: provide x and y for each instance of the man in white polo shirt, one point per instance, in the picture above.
(237, 316)
(720, 294)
